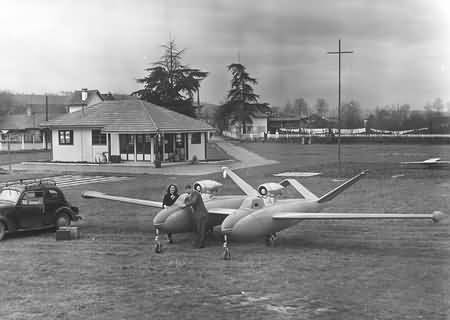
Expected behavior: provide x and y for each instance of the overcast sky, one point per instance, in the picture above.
(401, 48)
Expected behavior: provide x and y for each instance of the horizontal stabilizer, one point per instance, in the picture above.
(435, 216)
(244, 186)
(141, 202)
(300, 188)
(333, 193)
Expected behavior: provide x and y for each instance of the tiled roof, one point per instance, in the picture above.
(129, 116)
(117, 96)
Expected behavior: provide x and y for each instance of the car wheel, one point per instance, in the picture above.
(2, 230)
(63, 220)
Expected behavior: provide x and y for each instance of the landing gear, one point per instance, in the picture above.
(169, 238)
(226, 250)
(158, 246)
(270, 240)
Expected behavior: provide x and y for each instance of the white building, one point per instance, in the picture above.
(254, 128)
(127, 130)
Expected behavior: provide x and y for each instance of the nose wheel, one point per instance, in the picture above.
(158, 245)
(270, 240)
(169, 238)
(226, 250)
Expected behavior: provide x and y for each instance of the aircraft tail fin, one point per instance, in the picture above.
(308, 195)
(244, 186)
(333, 193)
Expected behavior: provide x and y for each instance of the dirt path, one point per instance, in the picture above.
(245, 157)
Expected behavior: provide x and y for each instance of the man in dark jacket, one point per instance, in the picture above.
(199, 214)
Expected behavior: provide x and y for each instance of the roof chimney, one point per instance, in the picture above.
(84, 94)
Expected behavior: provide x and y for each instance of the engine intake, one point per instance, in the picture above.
(207, 186)
(270, 188)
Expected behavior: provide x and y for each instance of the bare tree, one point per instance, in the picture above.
(6, 102)
(301, 107)
(321, 107)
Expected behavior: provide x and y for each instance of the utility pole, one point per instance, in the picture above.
(339, 53)
(7, 133)
(46, 135)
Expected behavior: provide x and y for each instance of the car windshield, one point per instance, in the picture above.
(10, 195)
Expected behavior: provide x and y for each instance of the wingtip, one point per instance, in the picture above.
(438, 216)
(224, 172)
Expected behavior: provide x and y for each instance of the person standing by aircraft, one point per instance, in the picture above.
(169, 199)
(199, 214)
(171, 196)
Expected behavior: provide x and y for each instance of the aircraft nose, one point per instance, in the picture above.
(174, 220)
(252, 227)
(229, 222)
(162, 216)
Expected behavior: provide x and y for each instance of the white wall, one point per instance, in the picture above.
(81, 149)
(197, 150)
(259, 125)
(74, 109)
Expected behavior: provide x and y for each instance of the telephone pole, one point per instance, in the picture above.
(339, 53)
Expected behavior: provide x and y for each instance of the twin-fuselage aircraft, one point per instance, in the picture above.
(260, 213)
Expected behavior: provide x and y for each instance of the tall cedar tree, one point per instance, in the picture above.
(171, 84)
(242, 102)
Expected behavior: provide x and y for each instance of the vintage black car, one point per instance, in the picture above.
(32, 205)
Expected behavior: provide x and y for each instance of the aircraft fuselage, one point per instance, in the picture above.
(176, 219)
(260, 223)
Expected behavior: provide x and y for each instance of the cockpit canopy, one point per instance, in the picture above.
(207, 186)
(270, 189)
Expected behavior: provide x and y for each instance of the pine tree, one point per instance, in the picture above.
(170, 83)
(242, 103)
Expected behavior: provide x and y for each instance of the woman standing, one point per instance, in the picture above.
(169, 199)
(171, 196)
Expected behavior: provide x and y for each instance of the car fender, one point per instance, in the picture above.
(10, 226)
(67, 210)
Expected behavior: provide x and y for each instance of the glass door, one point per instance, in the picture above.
(143, 147)
(140, 147)
(126, 146)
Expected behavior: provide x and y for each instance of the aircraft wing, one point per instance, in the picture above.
(221, 211)
(244, 186)
(428, 163)
(435, 216)
(101, 195)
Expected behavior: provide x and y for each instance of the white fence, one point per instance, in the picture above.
(15, 146)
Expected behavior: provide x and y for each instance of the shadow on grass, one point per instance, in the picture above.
(30, 233)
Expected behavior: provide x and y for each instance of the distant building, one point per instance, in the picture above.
(27, 111)
(274, 124)
(278, 123)
(25, 115)
(83, 98)
(80, 99)
(127, 130)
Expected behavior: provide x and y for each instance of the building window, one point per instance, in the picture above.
(196, 138)
(65, 136)
(98, 138)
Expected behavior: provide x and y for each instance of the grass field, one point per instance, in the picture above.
(317, 270)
